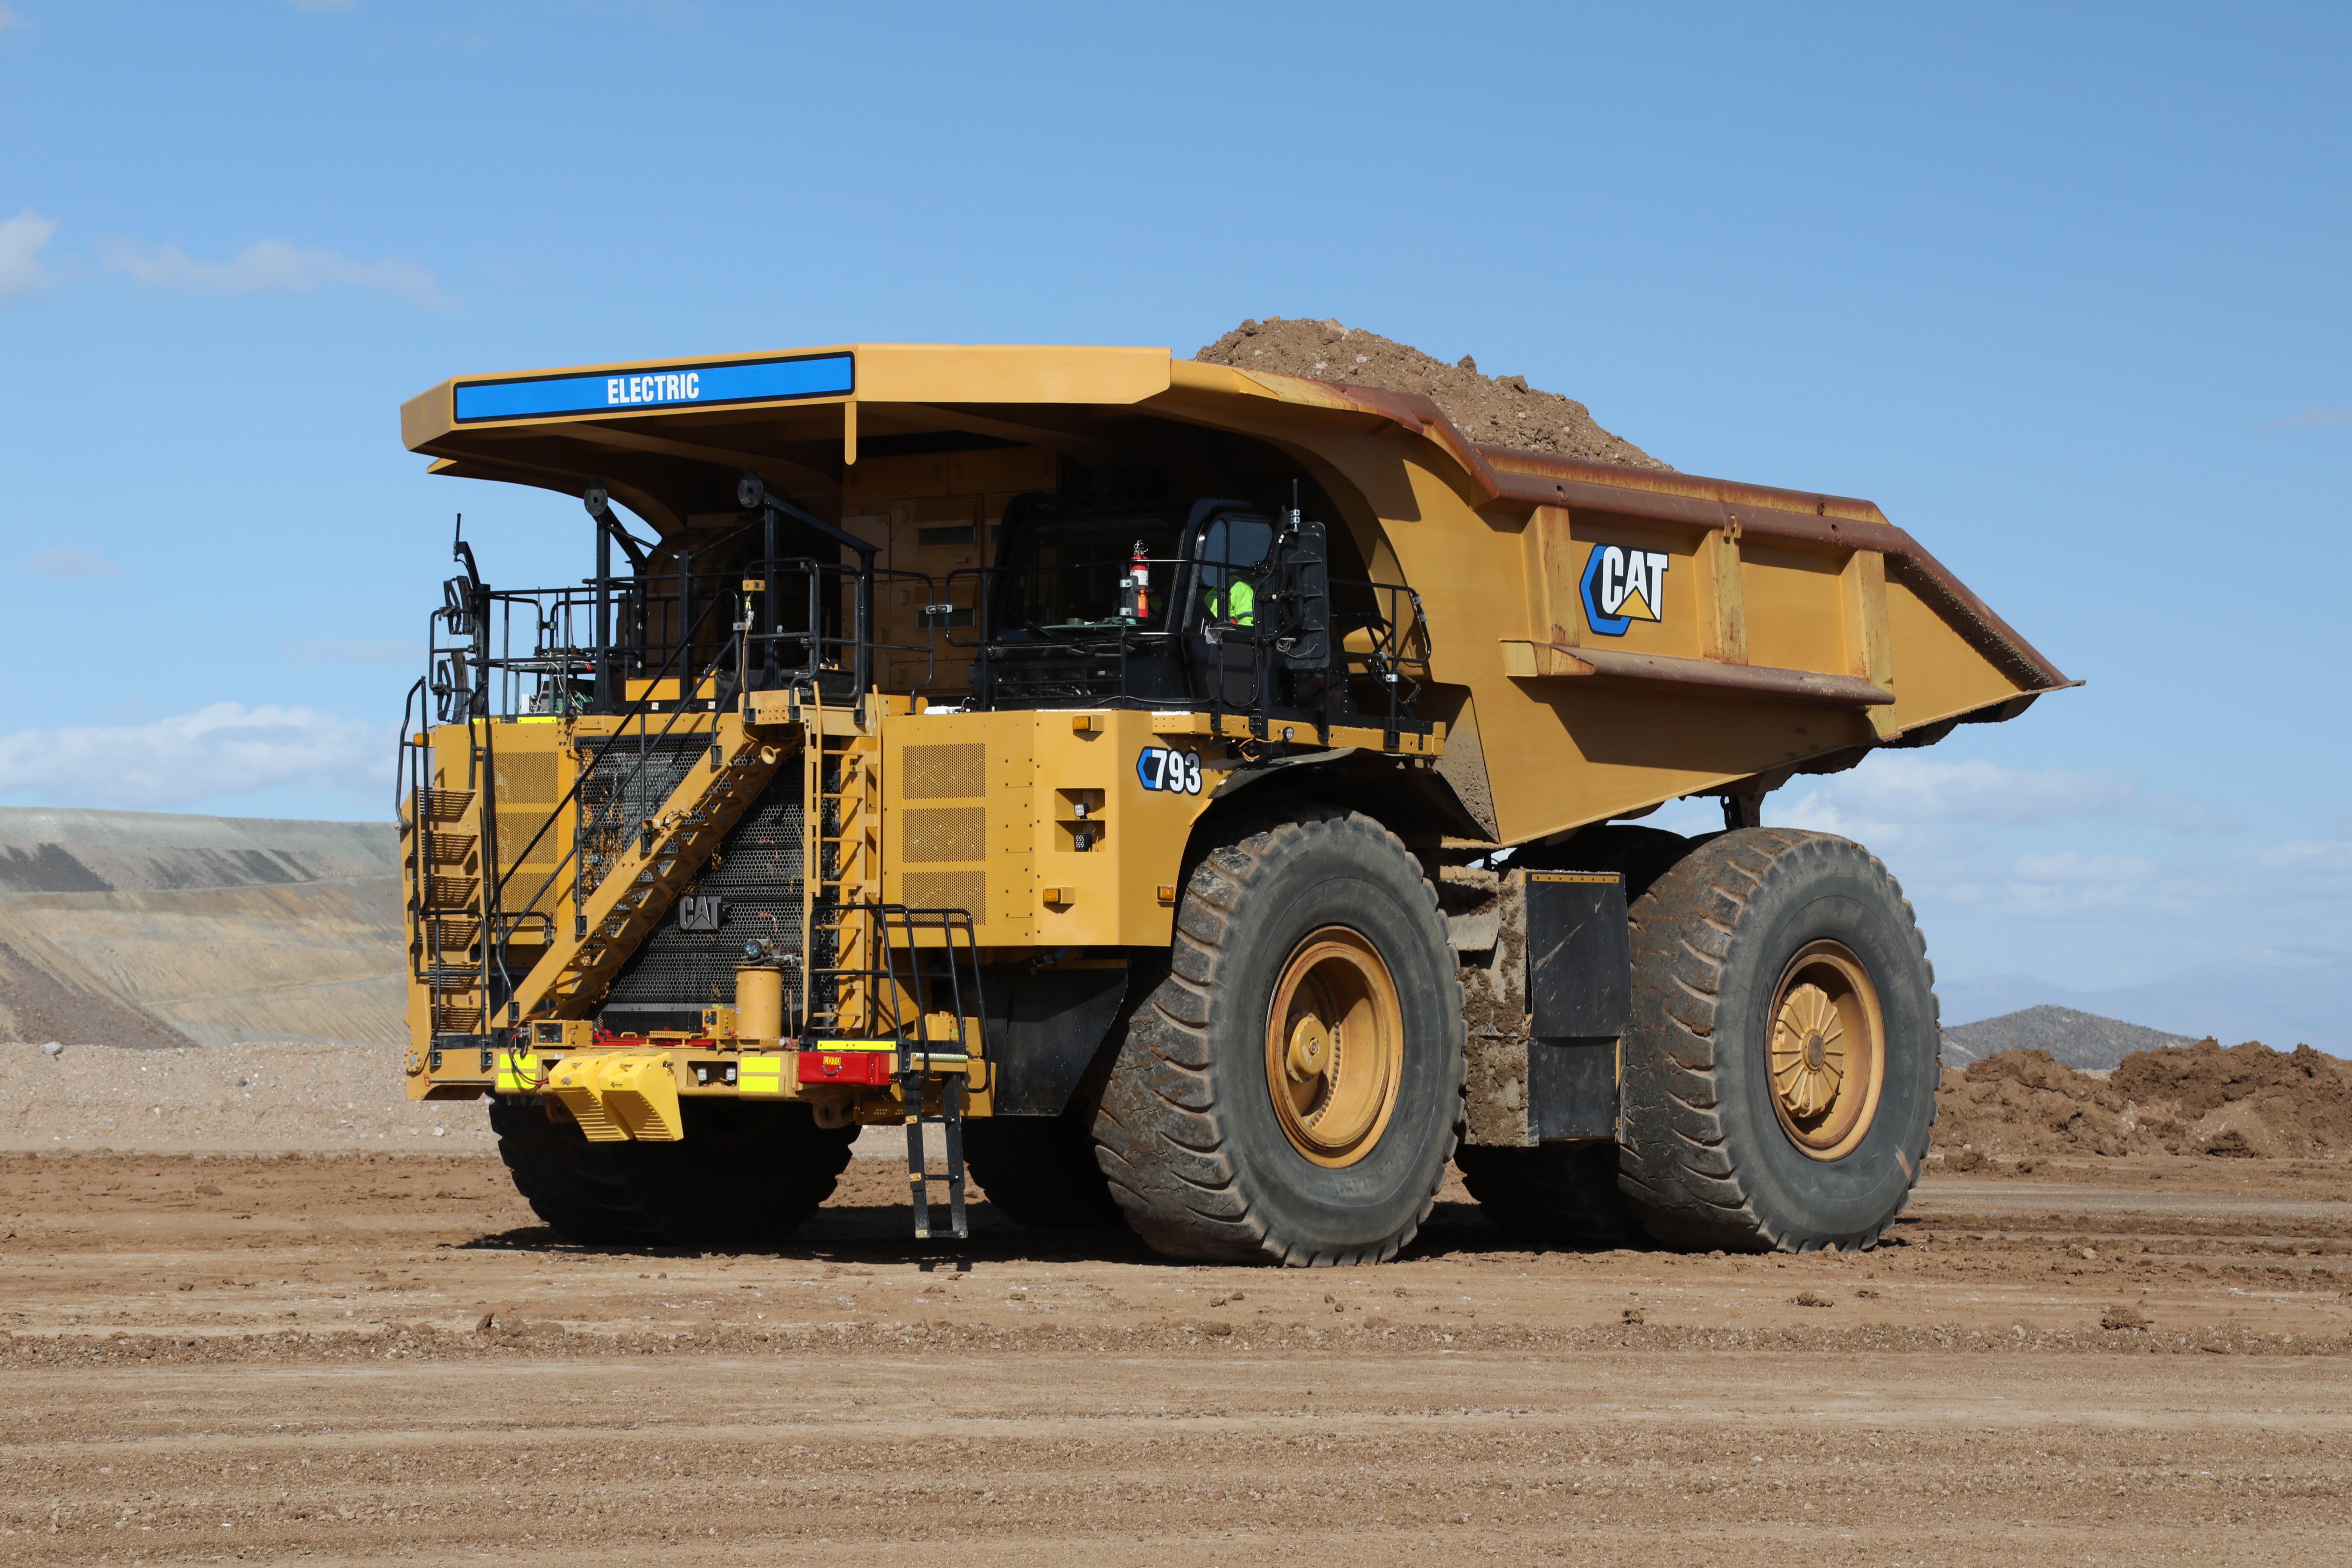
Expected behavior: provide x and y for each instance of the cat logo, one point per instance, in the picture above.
(1621, 586)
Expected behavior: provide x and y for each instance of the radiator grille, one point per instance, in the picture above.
(629, 787)
(944, 772)
(758, 874)
(945, 833)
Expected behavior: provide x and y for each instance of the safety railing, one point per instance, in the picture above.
(1363, 664)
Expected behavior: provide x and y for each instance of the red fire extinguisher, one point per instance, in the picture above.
(1135, 592)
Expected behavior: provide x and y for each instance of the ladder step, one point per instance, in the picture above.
(920, 1179)
(448, 848)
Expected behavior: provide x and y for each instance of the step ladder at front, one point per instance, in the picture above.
(919, 1180)
(443, 866)
(932, 1004)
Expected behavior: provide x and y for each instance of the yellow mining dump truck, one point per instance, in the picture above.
(1109, 759)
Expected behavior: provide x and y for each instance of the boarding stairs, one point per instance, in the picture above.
(660, 858)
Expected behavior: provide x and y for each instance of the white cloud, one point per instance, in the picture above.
(2316, 416)
(351, 650)
(1904, 792)
(1907, 789)
(226, 749)
(10, 21)
(22, 240)
(269, 266)
(68, 561)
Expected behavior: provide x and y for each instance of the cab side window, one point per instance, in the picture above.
(1231, 549)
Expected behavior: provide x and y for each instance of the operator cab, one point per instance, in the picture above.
(1218, 602)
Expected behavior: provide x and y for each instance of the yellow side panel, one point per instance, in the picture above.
(1108, 892)
(955, 819)
(1795, 608)
(981, 813)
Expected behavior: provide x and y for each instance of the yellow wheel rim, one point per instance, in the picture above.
(1334, 1047)
(1828, 1051)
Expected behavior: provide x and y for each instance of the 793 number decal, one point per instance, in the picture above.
(1165, 768)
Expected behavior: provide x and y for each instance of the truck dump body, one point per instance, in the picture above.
(1794, 629)
(994, 643)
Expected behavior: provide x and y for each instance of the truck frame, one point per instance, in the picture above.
(1204, 797)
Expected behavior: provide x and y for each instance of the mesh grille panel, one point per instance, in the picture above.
(758, 874)
(526, 778)
(966, 890)
(944, 772)
(515, 847)
(946, 833)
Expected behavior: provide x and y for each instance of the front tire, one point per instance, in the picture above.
(1782, 1061)
(579, 1188)
(1291, 1091)
(745, 1174)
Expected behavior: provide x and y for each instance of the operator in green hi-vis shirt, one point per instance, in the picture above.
(1240, 599)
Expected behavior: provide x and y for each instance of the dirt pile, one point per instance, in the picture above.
(1495, 410)
(2247, 1101)
(2303, 1095)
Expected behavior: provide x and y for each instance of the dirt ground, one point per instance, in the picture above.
(363, 1356)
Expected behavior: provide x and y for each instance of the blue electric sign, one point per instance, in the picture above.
(682, 386)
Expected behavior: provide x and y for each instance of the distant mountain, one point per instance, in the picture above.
(2082, 1040)
(2281, 997)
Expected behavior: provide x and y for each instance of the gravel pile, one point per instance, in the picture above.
(1494, 410)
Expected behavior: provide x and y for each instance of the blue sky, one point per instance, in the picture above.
(2063, 288)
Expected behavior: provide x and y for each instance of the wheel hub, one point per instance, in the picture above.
(1334, 1047)
(1828, 1051)
(1312, 1047)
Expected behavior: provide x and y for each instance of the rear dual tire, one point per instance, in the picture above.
(1783, 1059)
(1780, 1067)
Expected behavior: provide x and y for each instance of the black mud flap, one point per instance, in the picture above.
(1580, 994)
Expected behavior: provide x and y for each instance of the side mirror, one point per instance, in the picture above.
(457, 606)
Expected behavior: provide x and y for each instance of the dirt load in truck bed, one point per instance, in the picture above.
(1495, 410)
